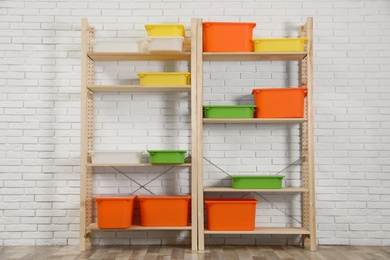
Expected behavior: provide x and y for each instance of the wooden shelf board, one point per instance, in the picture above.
(137, 164)
(282, 190)
(253, 120)
(138, 88)
(123, 56)
(94, 226)
(252, 56)
(266, 231)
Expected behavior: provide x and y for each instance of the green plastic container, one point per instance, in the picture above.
(166, 156)
(257, 182)
(228, 111)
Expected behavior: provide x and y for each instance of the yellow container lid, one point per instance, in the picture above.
(165, 29)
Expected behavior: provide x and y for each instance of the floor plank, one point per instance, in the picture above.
(210, 253)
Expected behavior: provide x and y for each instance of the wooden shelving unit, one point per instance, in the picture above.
(197, 57)
(88, 88)
(307, 193)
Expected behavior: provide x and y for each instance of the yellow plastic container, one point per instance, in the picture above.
(164, 78)
(279, 44)
(165, 30)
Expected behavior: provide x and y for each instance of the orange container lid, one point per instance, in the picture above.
(114, 197)
(230, 201)
(230, 23)
(257, 90)
(164, 197)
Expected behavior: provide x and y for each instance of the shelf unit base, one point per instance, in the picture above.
(94, 226)
(266, 231)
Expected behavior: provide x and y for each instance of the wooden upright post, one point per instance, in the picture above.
(308, 178)
(86, 135)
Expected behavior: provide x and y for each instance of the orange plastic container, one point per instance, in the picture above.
(231, 214)
(227, 37)
(279, 102)
(115, 212)
(164, 210)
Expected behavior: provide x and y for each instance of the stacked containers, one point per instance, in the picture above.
(165, 37)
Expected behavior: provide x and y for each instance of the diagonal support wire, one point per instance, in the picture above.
(140, 185)
(261, 196)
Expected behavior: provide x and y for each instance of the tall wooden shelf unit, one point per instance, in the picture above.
(308, 228)
(197, 56)
(88, 88)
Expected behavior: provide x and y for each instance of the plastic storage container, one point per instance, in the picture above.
(164, 210)
(279, 102)
(165, 30)
(165, 44)
(116, 156)
(228, 111)
(117, 45)
(115, 212)
(231, 214)
(279, 44)
(227, 37)
(164, 78)
(257, 182)
(166, 156)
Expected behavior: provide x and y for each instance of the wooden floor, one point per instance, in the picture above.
(211, 252)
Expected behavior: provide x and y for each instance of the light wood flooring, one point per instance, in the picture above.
(211, 252)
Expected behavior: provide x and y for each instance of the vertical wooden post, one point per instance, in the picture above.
(194, 137)
(86, 135)
(308, 178)
(199, 107)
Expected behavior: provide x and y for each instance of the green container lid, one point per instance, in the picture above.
(257, 182)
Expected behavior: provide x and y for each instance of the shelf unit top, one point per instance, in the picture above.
(282, 190)
(136, 164)
(94, 226)
(254, 120)
(266, 231)
(137, 56)
(138, 88)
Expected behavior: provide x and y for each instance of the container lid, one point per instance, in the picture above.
(167, 151)
(279, 39)
(230, 201)
(148, 26)
(229, 106)
(164, 197)
(163, 73)
(257, 90)
(257, 176)
(114, 197)
(230, 23)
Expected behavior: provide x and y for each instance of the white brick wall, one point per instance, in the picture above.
(40, 120)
